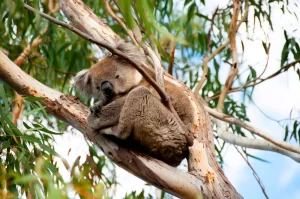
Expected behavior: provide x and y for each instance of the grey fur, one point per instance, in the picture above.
(142, 119)
(131, 51)
(134, 113)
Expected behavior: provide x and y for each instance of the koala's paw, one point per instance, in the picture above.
(92, 121)
(95, 110)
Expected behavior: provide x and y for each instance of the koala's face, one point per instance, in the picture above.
(107, 78)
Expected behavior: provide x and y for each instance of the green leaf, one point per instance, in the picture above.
(284, 53)
(26, 179)
(45, 130)
(257, 158)
(253, 72)
(125, 7)
(265, 47)
(187, 2)
(294, 132)
(34, 111)
(5, 144)
(286, 133)
(203, 16)
(51, 167)
(33, 99)
(49, 150)
(191, 12)
(21, 155)
(30, 138)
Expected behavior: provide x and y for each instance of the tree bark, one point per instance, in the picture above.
(205, 179)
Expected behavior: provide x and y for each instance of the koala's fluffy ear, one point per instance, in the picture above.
(83, 82)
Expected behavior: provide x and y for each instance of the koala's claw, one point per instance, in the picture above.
(95, 110)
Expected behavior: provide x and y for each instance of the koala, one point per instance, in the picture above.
(130, 109)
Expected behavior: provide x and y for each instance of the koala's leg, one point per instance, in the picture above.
(108, 116)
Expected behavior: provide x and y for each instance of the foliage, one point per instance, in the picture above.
(29, 162)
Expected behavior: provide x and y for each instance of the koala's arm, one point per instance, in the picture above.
(108, 116)
(143, 114)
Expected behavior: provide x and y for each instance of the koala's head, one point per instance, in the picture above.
(112, 76)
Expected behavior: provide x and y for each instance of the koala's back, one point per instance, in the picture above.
(153, 127)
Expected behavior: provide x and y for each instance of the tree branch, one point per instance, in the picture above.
(254, 144)
(223, 46)
(252, 129)
(233, 50)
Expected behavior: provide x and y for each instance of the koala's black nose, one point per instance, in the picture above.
(107, 88)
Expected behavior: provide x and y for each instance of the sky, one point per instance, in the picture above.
(276, 97)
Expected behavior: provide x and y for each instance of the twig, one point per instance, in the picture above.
(172, 53)
(254, 174)
(205, 59)
(115, 17)
(254, 82)
(165, 99)
(233, 50)
(252, 129)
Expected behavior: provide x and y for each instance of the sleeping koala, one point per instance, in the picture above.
(130, 109)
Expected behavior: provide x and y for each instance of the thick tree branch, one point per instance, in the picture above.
(254, 143)
(252, 129)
